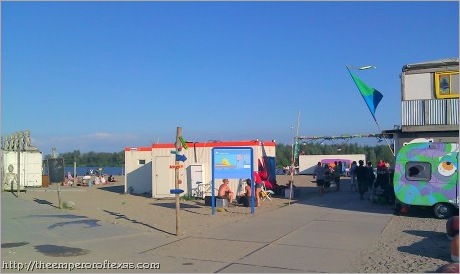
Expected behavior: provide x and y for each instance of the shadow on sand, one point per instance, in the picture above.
(122, 216)
(173, 205)
(44, 202)
(114, 188)
(344, 199)
(433, 245)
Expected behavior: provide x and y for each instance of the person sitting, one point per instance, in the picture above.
(68, 180)
(245, 198)
(111, 179)
(225, 192)
(103, 181)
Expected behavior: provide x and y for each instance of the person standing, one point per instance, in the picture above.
(380, 165)
(319, 174)
(337, 173)
(353, 176)
(328, 177)
(387, 164)
(361, 177)
(370, 175)
(258, 185)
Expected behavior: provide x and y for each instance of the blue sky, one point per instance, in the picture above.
(102, 76)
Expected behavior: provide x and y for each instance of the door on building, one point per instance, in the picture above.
(33, 169)
(195, 173)
(163, 179)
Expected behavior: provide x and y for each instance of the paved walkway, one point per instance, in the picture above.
(318, 234)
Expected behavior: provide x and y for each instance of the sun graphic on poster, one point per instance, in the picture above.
(225, 162)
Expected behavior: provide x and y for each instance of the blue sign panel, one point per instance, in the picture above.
(176, 191)
(232, 163)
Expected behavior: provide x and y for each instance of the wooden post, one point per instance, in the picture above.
(75, 171)
(176, 180)
(292, 169)
(59, 194)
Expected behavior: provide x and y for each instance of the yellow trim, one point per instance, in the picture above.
(449, 94)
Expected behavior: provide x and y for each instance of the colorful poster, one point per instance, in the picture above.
(232, 163)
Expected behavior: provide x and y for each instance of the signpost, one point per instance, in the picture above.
(180, 143)
(183, 143)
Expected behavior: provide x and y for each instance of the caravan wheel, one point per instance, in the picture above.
(443, 210)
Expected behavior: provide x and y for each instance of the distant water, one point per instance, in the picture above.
(82, 170)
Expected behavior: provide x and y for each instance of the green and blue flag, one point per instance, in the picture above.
(371, 96)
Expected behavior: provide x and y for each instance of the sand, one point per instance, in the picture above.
(109, 203)
(414, 243)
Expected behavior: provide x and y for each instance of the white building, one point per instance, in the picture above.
(308, 163)
(30, 166)
(149, 171)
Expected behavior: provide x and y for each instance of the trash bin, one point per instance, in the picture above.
(45, 181)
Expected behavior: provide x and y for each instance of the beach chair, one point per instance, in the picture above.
(266, 194)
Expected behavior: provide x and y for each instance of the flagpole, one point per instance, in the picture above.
(294, 148)
(389, 146)
(368, 106)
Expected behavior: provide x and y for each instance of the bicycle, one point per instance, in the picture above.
(202, 189)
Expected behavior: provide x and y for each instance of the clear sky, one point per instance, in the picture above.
(102, 76)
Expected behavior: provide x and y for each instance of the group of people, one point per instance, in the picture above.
(70, 180)
(101, 180)
(225, 192)
(365, 177)
(362, 176)
(324, 174)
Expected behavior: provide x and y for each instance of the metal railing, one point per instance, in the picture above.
(429, 112)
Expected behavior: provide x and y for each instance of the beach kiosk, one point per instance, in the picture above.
(150, 170)
(30, 164)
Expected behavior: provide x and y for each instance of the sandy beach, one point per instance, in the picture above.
(413, 243)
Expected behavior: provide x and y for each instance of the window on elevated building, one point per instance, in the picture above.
(446, 84)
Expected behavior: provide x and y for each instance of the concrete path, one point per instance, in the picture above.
(318, 234)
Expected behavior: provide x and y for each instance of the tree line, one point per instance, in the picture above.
(283, 154)
(373, 153)
(92, 158)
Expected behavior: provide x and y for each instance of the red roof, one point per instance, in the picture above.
(207, 144)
